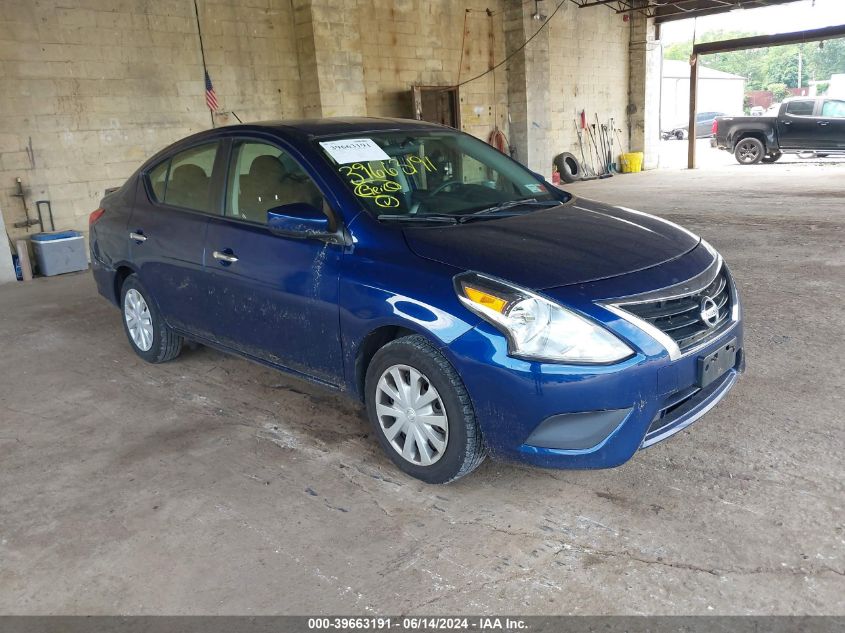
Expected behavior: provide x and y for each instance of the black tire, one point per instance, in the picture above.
(679, 135)
(749, 151)
(772, 157)
(464, 450)
(166, 344)
(568, 167)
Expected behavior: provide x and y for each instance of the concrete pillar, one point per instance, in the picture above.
(528, 88)
(7, 270)
(644, 62)
(328, 44)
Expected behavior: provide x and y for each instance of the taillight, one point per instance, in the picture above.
(96, 215)
(715, 129)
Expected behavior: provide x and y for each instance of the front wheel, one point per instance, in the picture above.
(151, 338)
(749, 151)
(421, 412)
(772, 157)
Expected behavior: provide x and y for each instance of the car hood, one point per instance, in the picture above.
(576, 242)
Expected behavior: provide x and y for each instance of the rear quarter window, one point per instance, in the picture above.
(834, 109)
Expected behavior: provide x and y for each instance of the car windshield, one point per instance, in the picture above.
(436, 175)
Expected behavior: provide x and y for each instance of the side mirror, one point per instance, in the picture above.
(299, 219)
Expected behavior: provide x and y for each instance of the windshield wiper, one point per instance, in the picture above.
(510, 204)
(500, 210)
(437, 219)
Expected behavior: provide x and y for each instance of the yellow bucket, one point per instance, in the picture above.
(631, 162)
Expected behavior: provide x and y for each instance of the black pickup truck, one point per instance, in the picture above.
(802, 125)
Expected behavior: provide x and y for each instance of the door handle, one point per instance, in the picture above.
(138, 236)
(227, 258)
(787, 122)
(824, 123)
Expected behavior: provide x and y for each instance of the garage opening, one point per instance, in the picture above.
(740, 64)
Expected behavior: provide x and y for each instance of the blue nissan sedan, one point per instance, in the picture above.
(473, 307)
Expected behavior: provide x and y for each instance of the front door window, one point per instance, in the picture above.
(263, 177)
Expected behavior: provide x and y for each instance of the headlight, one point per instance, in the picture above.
(536, 328)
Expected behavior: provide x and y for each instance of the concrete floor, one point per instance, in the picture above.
(211, 485)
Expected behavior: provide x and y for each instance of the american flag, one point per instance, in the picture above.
(210, 95)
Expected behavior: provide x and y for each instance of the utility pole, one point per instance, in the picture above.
(800, 66)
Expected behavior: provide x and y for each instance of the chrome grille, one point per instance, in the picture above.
(680, 317)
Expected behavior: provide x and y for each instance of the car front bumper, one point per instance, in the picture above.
(602, 414)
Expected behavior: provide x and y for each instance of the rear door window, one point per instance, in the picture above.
(189, 180)
(184, 180)
(158, 179)
(834, 109)
(800, 108)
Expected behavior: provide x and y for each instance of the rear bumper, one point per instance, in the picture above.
(104, 278)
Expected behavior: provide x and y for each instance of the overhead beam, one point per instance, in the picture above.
(684, 9)
(764, 41)
(668, 10)
(591, 3)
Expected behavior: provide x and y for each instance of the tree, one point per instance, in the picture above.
(774, 65)
(779, 91)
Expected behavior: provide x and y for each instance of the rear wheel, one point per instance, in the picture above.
(772, 157)
(421, 412)
(148, 334)
(749, 151)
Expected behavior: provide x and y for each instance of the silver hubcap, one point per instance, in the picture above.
(412, 415)
(139, 321)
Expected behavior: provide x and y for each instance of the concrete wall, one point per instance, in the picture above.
(94, 87)
(644, 62)
(420, 42)
(589, 71)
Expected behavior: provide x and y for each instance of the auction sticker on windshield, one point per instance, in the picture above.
(352, 150)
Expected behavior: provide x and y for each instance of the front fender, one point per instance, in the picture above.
(374, 296)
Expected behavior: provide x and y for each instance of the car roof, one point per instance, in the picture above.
(300, 130)
(314, 128)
